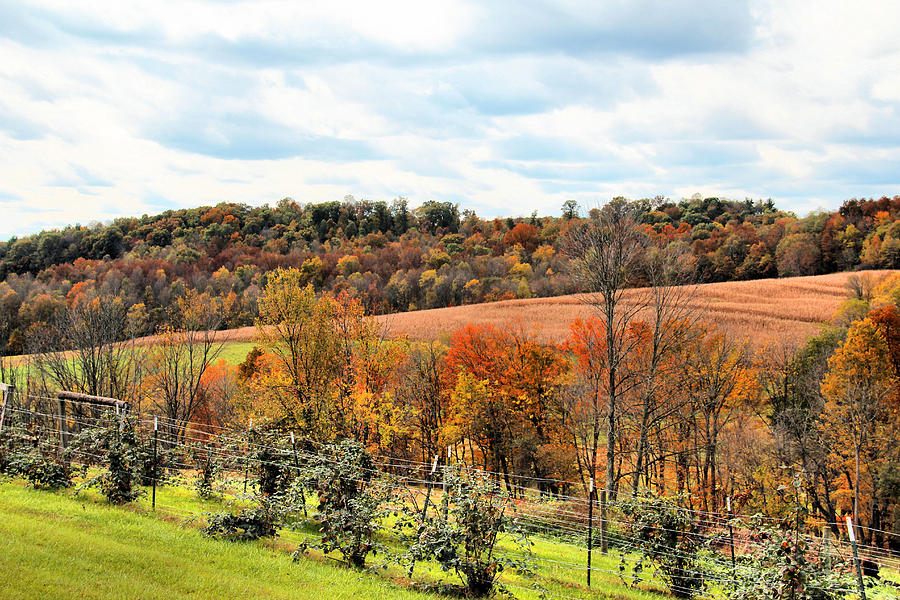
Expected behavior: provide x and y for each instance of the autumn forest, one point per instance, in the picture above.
(643, 397)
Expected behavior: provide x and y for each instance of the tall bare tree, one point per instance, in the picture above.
(606, 255)
(671, 313)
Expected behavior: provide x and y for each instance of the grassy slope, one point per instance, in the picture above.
(57, 545)
(60, 545)
(54, 546)
(234, 353)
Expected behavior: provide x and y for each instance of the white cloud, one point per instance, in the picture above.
(121, 108)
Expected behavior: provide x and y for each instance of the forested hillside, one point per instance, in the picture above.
(393, 258)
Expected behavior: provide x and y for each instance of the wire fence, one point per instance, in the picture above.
(560, 518)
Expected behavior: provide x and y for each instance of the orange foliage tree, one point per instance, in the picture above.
(504, 390)
(860, 390)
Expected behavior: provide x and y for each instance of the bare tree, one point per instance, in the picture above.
(717, 378)
(606, 257)
(672, 313)
(87, 349)
(180, 359)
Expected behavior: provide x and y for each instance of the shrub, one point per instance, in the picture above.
(11, 447)
(206, 474)
(670, 538)
(782, 567)
(41, 472)
(462, 534)
(272, 476)
(118, 445)
(248, 524)
(350, 501)
(147, 467)
(119, 483)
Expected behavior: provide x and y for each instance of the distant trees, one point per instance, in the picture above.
(392, 257)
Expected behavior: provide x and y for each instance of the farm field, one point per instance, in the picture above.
(762, 312)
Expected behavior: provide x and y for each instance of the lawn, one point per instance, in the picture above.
(68, 545)
(54, 545)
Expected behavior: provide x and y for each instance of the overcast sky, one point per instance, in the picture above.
(123, 108)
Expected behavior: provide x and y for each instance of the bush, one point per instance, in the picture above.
(669, 537)
(350, 501)
(11, 447)
(119, 483)
(272, 476)
(249, 524)
(41, 472)
(782, 567)
(462, 534)
(147, 467)
(206, 474)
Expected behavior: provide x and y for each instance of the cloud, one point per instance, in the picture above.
(647, 28)
(508, 107)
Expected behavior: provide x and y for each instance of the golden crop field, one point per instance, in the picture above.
(761, 312)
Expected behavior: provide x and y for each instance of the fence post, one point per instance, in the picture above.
(428, 485)
(731, 541)
(155, 463)
(444, 484)
(603, 533)
(590, 530)
(247, 456)
(859, 577)
(63, 433)
(8, 390)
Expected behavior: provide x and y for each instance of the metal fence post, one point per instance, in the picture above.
(859, 577)
(590, 530)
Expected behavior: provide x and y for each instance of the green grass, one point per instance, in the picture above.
(68, 545)
(234, 353)
(57, 546)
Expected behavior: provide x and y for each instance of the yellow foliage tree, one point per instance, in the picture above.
(858, 389)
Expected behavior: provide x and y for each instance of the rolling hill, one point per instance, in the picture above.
(762, 311)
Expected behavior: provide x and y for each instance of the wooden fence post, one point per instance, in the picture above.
(7, 390)
(63, 430)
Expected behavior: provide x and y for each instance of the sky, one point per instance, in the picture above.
(123, 108)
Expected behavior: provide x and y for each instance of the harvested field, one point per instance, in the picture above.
(762, 311)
